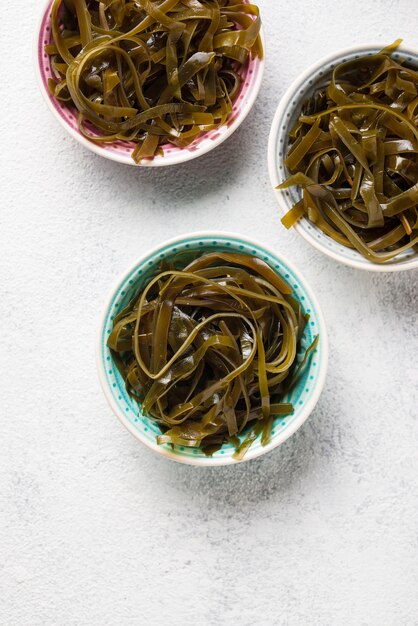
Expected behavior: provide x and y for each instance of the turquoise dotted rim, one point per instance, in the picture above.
(304, 396)
(286, 115)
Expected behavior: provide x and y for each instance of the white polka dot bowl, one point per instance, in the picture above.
(120, 151)
(286, 115)
(304, 394)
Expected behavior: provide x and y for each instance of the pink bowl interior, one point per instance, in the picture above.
(121, 150)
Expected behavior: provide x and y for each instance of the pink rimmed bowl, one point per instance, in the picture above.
(121, 151)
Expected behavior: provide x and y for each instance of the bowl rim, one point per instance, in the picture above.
(274, 160)
(182, 156)
(280, 437)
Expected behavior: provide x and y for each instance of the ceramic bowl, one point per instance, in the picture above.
(304, 395)
(286, 115)
(121, 151)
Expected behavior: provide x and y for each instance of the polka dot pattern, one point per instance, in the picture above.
(121, 151)
(130, 412)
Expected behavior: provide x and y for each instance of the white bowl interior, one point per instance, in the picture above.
(286, 116)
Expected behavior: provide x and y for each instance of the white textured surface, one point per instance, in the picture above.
(95, 530)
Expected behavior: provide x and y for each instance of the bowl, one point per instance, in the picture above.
(286, 115)
(304, 395)
(121, 151)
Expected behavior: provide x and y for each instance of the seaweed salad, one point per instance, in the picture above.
(210, 350)
(354, 153)
(148, 72)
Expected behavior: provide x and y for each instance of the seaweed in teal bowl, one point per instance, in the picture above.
(303, 394)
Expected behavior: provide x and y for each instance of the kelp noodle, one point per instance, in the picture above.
(354, 152)
(151, 72)
(211, 349)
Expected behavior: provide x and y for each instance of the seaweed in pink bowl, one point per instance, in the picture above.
(150, 85)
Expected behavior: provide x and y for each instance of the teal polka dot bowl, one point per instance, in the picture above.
(303, 396)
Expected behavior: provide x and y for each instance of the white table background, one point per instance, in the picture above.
(95, 529)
